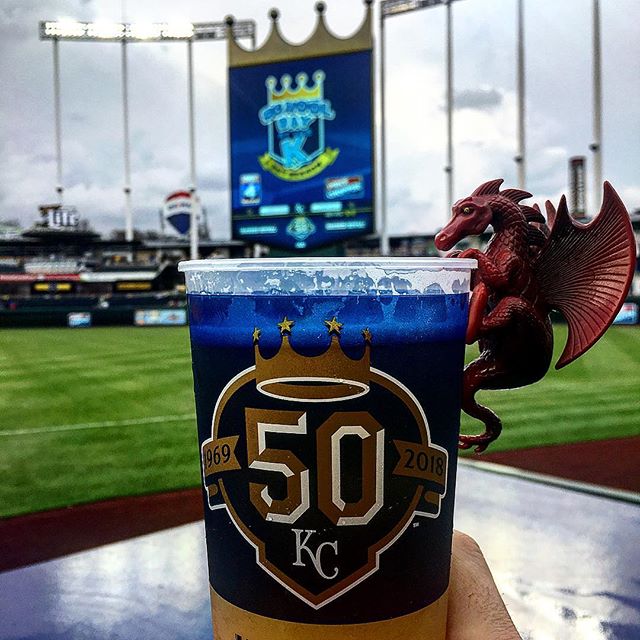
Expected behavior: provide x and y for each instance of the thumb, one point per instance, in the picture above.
(476, 609)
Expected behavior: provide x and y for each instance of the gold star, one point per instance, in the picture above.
(256, 335)
(285, 325)
(333, 325)
(367, 335)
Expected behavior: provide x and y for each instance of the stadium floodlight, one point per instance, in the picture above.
(178, 30)
(144, 31)
(219, 30)
(63, 29)
(105, 30)
(394, 7)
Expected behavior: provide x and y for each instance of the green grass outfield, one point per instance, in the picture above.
(97, 413)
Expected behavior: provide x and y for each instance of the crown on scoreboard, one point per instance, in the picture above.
(302, 91)
(276, 48)
(332, 375)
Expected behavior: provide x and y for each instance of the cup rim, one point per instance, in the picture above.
(378, 262)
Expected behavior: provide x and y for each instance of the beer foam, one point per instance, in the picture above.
(328, 276)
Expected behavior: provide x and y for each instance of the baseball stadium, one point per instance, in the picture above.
(103, 456)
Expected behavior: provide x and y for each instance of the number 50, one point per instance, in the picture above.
(260, 422)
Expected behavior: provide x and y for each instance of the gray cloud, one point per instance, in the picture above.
(484, 98)
(77, 117)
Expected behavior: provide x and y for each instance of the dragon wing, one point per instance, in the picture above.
(585, 271)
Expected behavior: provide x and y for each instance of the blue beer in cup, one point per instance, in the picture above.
(328, 404)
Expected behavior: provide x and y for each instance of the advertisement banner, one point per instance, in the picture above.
(129, 286)
(628, 314)
(302, 150)
(160, 317)
(52, 287)
(79, 319)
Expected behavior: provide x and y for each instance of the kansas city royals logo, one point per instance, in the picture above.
(295, 121)
(319, 482)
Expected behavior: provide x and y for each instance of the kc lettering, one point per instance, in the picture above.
(315, 557)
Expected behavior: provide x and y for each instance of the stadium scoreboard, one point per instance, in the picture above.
(301, 136)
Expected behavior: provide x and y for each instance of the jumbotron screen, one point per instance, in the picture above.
(302, 151)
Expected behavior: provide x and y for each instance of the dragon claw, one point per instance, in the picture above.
(469, 253)
(481, 442)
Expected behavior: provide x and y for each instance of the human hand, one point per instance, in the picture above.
(476, 609)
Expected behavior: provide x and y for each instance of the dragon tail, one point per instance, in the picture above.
(585, 271)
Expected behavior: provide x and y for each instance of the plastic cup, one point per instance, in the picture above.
(328, 403)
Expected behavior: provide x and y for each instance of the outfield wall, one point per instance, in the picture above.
(59, 317)
(119, 312)
(104, 311)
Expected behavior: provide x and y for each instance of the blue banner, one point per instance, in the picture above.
(160, 317)
(302, 151)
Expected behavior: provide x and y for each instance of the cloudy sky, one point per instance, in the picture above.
(559, 104)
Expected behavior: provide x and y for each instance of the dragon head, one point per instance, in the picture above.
(471, 217)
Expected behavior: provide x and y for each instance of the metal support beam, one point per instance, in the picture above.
(128, 210)
(521, 157)
(384, 229)
(449, 167)
(596, 145)
(57, 119)
(195, 201)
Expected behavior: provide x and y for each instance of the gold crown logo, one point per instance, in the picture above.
(332, 375)
(302, 91)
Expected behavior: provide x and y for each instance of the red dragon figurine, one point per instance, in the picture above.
(530, 267)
